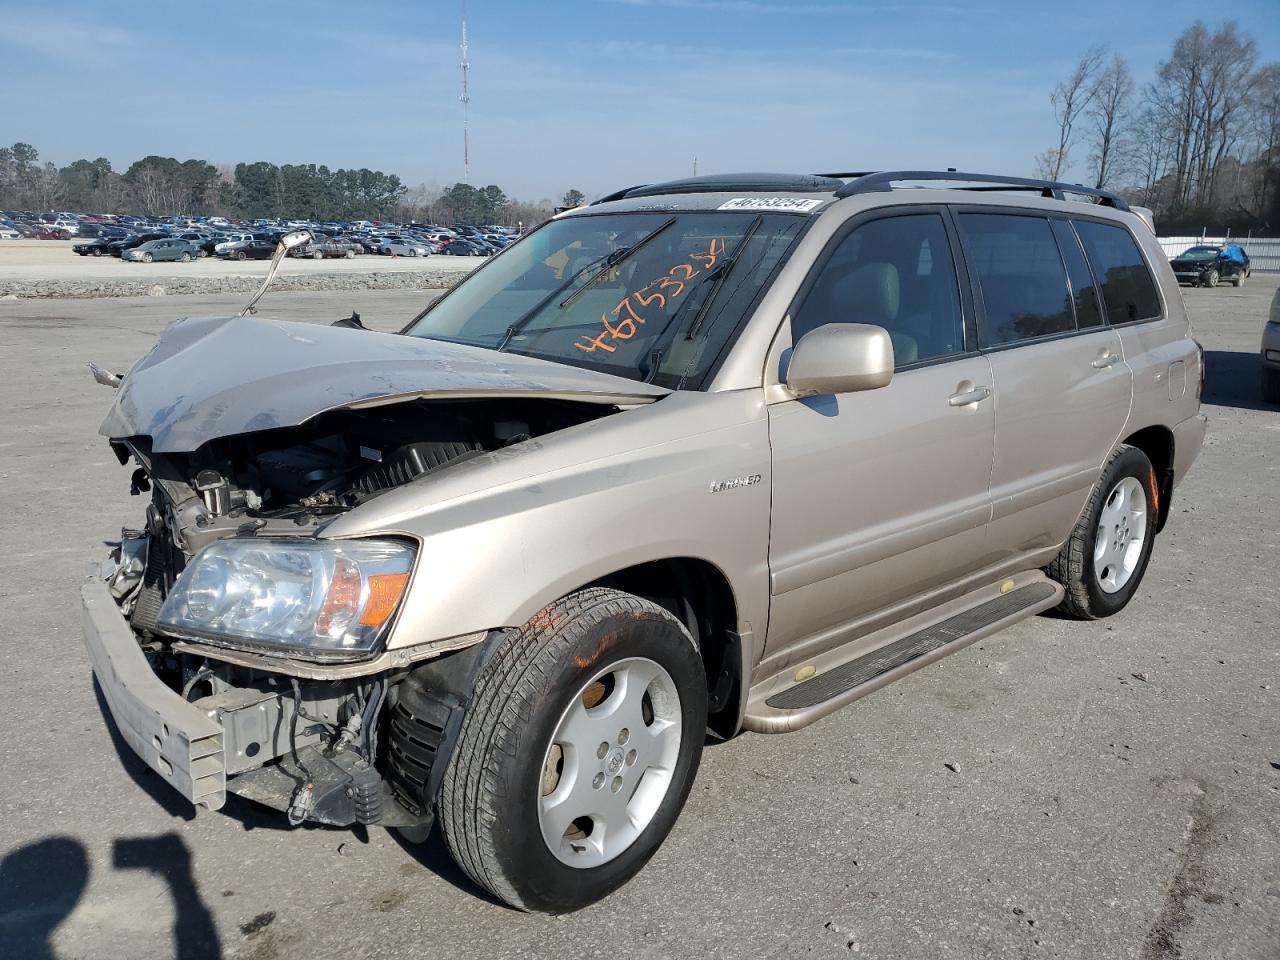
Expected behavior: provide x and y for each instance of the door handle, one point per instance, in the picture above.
(976, 395)
(1106, 360)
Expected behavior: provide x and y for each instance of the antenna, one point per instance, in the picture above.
(466, 99)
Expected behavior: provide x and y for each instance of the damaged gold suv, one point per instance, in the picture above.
(718, 454)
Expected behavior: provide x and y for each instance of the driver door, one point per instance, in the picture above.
(883, 494)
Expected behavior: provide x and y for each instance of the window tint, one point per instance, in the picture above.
(895, 273)
(1127, 287)
(1083, 289)
(1019, 270)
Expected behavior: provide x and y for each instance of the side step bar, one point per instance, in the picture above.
(971, 618)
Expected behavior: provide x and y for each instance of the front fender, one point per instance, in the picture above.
(501, 536)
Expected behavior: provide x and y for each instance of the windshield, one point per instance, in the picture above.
(1202, 253)
(649, 296)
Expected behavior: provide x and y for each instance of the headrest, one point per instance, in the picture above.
(868, 295)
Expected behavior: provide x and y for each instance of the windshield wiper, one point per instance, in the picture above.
(606, 262)
(719, 273)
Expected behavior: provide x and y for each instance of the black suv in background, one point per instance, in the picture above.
(1207, 264)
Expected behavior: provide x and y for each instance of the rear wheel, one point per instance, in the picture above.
(1238, 279)
(577, 752)
(1104, 559)
(1270, 385)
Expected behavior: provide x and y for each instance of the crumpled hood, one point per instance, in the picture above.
(212, 377)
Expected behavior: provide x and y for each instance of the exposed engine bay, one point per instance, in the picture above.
(324, 733)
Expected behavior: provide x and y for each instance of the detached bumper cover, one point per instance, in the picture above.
(174, 738)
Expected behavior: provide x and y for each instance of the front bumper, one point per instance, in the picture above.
(173, 737)
(1271, 345)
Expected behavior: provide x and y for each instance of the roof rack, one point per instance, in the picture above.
(885, 179)
(733, 183)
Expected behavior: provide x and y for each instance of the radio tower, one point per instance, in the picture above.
(466, 99)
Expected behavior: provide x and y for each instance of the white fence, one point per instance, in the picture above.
(1264, 254)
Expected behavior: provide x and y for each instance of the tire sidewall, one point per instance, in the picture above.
(540, 880)
(1131, 462)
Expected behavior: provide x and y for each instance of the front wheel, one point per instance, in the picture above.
(1211, 278)
(1103, 560)
(147, 258)
(577, 752)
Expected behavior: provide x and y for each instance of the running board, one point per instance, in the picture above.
(906, 647)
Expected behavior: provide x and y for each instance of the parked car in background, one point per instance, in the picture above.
(170, 249)
(1207, 265)
(1271, 353)
(9, 232)
(322, 247)
(257, 249)
(464, 248)
(120, 247)
(95, 248)
(405, 248)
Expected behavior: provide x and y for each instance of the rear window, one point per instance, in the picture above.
(1128, 289)
(1020, 274)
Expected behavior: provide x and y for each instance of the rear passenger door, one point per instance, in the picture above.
(1061, 387)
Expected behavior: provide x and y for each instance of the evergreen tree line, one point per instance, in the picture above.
(163, 186)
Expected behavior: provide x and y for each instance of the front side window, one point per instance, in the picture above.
(648, 296)
(1128, 289)
(1021, 278)
(896, 273)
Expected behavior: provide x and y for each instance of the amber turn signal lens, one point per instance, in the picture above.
(385, 590)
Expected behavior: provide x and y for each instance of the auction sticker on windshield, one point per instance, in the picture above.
(785, 204)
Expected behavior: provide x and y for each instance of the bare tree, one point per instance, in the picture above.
(1109, 113)
(1070, 99)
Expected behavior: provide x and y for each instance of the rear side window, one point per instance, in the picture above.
(1083, 288)
(1020, 274)
(1128, 289)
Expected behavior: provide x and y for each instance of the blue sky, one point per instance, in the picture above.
(595, 95)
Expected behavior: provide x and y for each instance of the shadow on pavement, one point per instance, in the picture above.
(1234, 379)
(195, 937)
(40, 884)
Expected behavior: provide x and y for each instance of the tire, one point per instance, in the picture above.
(1091, 593)
(185, 258)
(147, 258)
(1211, 278)
(317, 255)
(497, 795)
(97, 253)
(1238, 279)
(1270, 385)
(241, 255)
(350, 254)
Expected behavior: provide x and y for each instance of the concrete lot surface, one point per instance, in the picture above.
(37, 260)
(1114, 791)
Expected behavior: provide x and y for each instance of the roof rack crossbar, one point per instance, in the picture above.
(885, 179)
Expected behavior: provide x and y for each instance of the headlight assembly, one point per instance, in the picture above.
(322, 598)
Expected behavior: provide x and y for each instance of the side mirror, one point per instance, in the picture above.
(840, 358)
